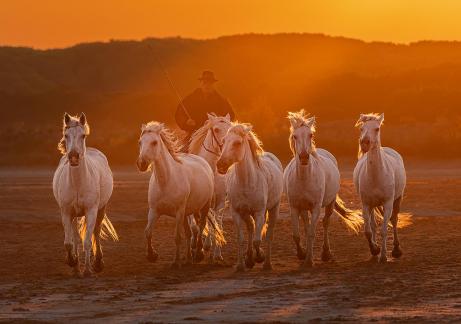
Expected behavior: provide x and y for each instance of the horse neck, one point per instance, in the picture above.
(246, 169)
(163, 166)
(211, 158)
(79, 175)
(375, 163)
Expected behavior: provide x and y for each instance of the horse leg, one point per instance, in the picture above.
(315, 214)
(387, 215)
(76, 242)
(273, 215)
(249, 261)
(177, 231)
(370, 227)
(260, 218)
(199, 255)
(240, 240)
(188, 234)
(91, 216)
(219, 209)
(98, 263)
(396, 251)
(71, 258)
(300, 251)
(152, 217)
(326, 252)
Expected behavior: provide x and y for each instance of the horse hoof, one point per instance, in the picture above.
(326, 255)
(383, 259)
(71, 260)
(98, 265)
(260, 257)
(397, 252)
(375, 250)
(267, 267)
(301, 254)
(240, 268)
(199, 256)
(249, 262)
(152, 256)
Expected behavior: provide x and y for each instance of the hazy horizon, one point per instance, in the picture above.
(53, 24)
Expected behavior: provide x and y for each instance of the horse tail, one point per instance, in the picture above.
(352, 218)
(379, 213)
(107, 231)
(215, 230)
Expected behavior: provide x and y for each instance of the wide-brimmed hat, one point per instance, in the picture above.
(208, 76)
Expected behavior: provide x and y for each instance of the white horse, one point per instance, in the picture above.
(181, 184)
(380, 179)
(82, 186)
(311, 181)
(254, 185)
(207, 143)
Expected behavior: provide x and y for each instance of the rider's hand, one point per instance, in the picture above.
(190, 122)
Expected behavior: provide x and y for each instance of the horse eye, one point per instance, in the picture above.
(294, 137)
(311, 135)
(377, 129)
(66, 136)
(83, 136)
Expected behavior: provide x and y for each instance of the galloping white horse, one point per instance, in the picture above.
(207, 143)
(380, 179)
(82, 186)
(311, 181)
(254, 187)
(181, 184)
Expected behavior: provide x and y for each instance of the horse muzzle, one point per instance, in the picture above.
(142, 165)
(74, 158)
(365, 145)
(222, 166)
(304, 158)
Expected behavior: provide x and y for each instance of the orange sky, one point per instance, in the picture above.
(59, 23)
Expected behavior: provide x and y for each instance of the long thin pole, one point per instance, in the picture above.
(175, 90)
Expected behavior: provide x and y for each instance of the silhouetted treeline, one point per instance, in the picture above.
(119, 85)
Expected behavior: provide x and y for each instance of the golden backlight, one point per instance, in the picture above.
(56, 23)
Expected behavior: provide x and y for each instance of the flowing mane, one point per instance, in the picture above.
(198, 137)
(74, 122)
(244, 130)
(366, 118)
(301, 119)
(167, 136)
(362, 120)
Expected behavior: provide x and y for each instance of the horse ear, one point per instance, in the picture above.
(293, 122)
(210, 116)
(227, 117)
(381, 118)
(311, 122)
(360, 120)
(143, 127)
(66, 118)
(82, 118)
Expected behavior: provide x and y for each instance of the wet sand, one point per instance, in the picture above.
(36, 285)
